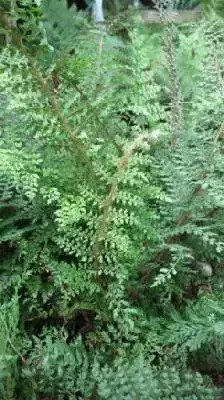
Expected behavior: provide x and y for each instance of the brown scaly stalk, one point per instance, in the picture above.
(177, 120)
(198, 189)
(176, 114)
(111, 197)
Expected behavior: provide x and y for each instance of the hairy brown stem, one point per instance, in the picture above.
(198, 189)
(111, 197)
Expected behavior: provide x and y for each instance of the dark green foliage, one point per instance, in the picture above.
(111, 228)
(139, 380)
(54, 367)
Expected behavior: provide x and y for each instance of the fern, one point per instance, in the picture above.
(193, 168)
(111, 199)
(128, 381)
(201, 323)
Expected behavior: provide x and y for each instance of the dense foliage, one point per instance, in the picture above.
(111, 209)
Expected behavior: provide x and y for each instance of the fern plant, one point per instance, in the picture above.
(192, 168)
(80, 182)
(138, 380)
(105, 220)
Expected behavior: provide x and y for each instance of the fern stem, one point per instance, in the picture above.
(111, 197)
(171, 65)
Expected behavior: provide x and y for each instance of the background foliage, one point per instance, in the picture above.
(111, 210)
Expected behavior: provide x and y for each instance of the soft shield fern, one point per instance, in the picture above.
(80, 182)
(138, 380)
(111, 204)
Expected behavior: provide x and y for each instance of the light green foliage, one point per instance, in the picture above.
(60, 157)
(103, 220)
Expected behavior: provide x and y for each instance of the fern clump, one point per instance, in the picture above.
(111, 208)
(139, 380)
